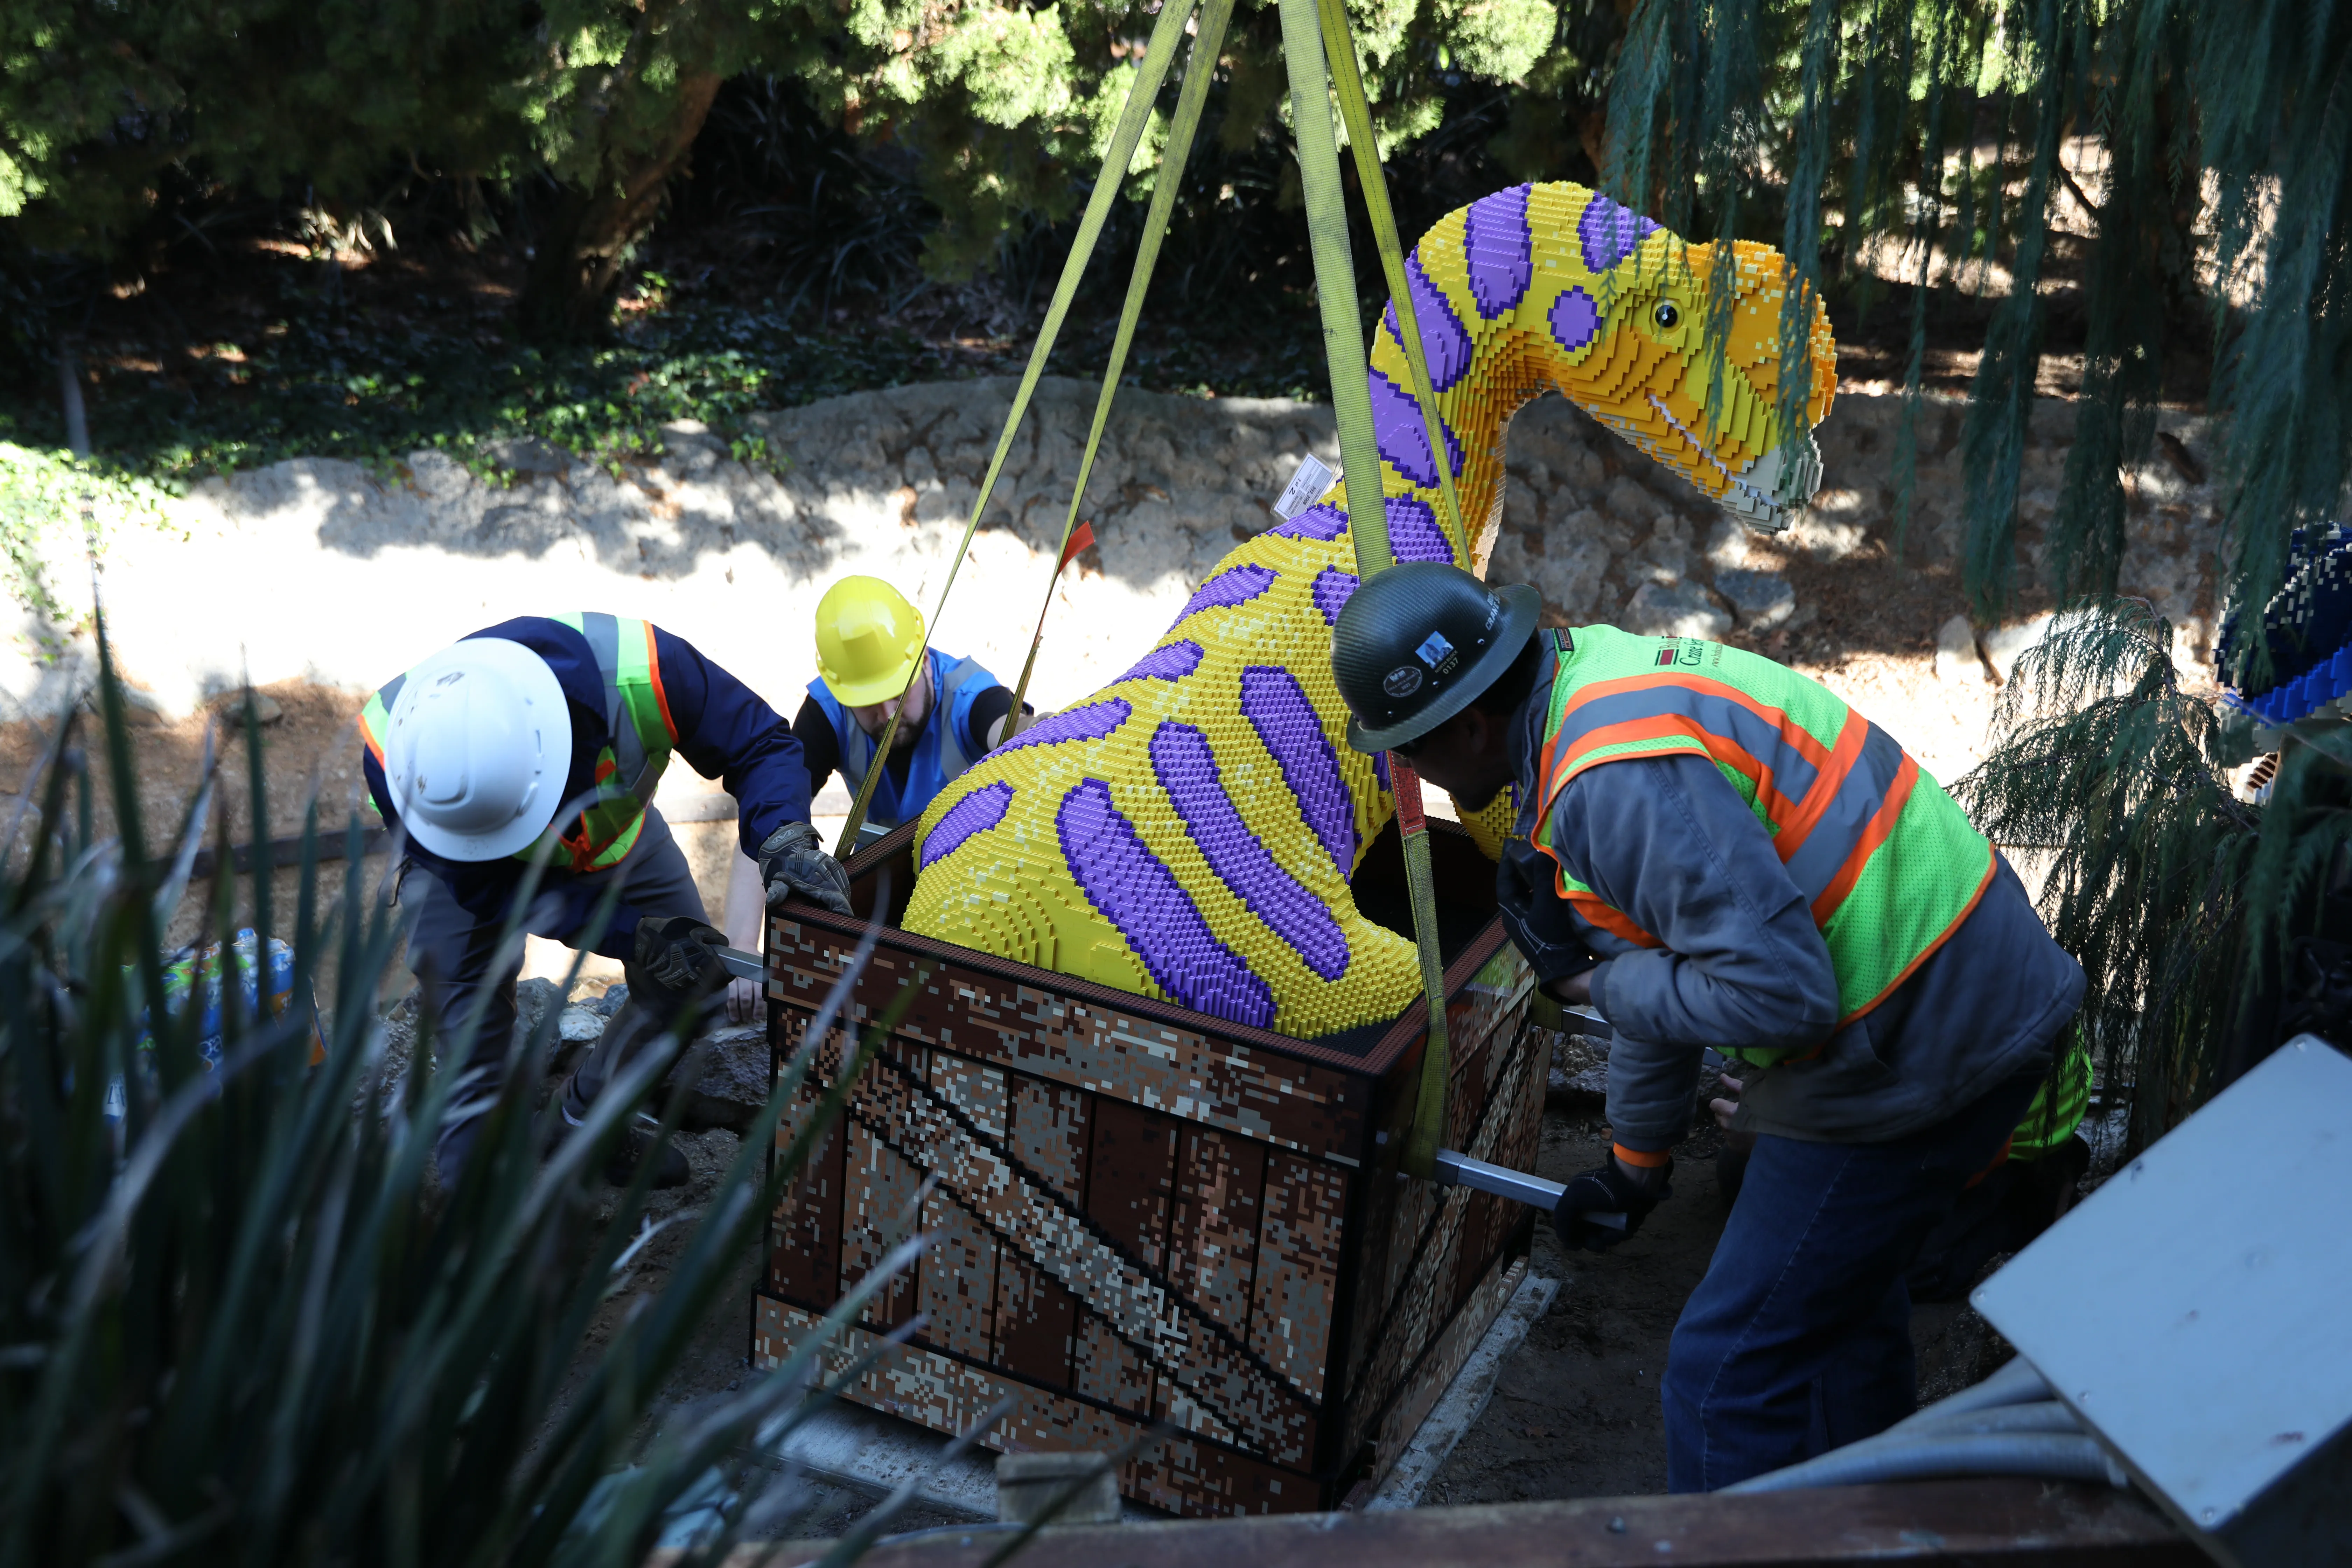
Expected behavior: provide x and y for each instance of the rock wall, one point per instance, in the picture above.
(321, 570)
(1608, 535)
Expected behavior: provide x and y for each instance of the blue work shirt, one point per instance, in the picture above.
(724, 732)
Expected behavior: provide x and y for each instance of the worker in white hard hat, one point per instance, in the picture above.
(871, 664)
(541, 739)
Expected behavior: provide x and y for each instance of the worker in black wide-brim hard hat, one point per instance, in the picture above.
(1712, 849)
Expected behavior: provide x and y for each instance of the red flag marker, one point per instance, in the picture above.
(1080, 538)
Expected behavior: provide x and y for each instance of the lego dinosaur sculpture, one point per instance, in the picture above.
(1189, 831)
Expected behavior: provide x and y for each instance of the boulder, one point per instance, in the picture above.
(731, 1076)
(576, 1029)
(1762, 599)
(1728, 540)
(1674, 610)
(2004, 645)
(1957, 663)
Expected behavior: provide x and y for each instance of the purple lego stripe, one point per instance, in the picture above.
(1609, 233)
(1332, 590)
(1499, 249)
(1443, 337)
(1089, 722)
(1575, 320)
(1317, 521)
(1172, 662)
(1187, 770)
(1237, 587)
(1277, 708)
(1138, 894)
(1414, 533)
(975, 813)
(1403, 436)
(1381, 771)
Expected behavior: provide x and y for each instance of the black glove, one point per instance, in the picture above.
(1604, 1190)
(790, 863)
(676, 966)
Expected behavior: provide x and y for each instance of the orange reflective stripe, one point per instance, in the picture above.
(1657, 726)
(1561, 765)
(1637, 1157)
(1798, 736)
(1997, 1162)
(653, 670)
(1608, 917)
(1881, 826)
(1808, 813)
(1992, 865)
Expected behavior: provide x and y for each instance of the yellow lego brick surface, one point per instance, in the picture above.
(1189, 831)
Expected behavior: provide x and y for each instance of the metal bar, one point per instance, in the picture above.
(1456, 1169)
(741, 964)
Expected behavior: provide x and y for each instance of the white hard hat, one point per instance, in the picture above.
(478, 750)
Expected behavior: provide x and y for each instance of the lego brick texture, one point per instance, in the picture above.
(1132, 1221)
(1190, 831)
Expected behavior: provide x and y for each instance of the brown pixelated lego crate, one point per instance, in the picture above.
(1142, 1215)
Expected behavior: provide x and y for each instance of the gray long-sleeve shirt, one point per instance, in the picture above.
(1667, 840)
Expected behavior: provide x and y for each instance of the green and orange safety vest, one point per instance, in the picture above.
(641, 736)
(1890, 863)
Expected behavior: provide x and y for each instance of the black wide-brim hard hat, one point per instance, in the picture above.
(1417, 644)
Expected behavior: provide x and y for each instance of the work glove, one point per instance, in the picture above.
(675, 964)
(1604, 1190)
(791, 862)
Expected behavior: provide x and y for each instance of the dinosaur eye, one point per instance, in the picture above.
(1665, 315)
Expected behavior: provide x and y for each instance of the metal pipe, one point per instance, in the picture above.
(2015, 1384)
(2041, 1416)
(1456, 1169)
(2062, 1455)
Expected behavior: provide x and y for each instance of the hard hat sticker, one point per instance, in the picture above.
(1432, 652)
(1401, 682)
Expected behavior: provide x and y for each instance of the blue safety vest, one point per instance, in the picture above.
(956, 684)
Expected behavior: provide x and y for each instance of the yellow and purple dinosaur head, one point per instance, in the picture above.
(1556, 288)
(1189, 831)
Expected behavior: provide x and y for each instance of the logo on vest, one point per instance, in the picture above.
(1689, 652)
(1401, 682)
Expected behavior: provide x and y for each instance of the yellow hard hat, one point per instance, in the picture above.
(867, 639)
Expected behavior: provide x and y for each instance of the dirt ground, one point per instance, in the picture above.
(1576, 1411)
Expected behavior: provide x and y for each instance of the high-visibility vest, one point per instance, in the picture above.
(628, 767)
(1889, 862)
(2058, 1106)
(940, 754)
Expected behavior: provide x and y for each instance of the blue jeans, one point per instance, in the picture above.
(1799, 1339)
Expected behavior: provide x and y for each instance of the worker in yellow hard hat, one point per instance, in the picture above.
(951, 712)
(871, 663)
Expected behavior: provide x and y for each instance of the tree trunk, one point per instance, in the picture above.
(580, 253)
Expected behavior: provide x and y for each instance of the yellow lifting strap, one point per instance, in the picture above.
(1305, 26)
(1166, 185)
(1165, 33)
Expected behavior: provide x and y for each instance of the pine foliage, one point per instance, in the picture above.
(1949, 133)
(2109, 774)
(2224, 207)
(241, 1323)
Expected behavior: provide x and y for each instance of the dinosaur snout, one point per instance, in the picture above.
(1769, 490)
